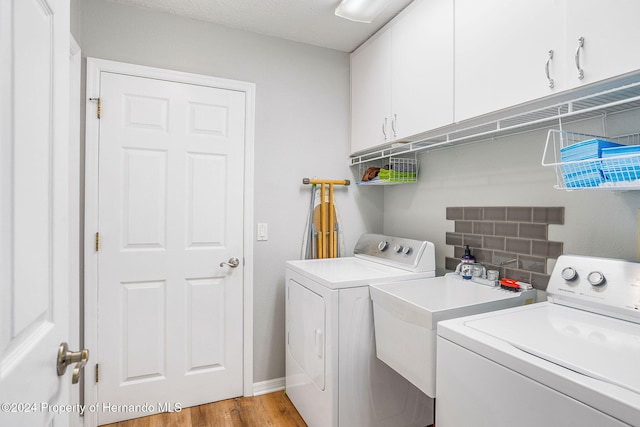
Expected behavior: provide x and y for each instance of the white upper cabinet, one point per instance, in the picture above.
(502, 49)
(422, 68)
(611, 31)
(501, 53)
(402, 80)
(371, 94)
(444, 61)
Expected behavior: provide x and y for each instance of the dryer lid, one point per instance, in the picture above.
(600, 347)
(349, 272)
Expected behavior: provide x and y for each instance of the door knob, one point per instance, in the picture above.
(233, 263)
(66, 358)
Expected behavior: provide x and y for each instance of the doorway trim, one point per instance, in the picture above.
(94, 68)
(75, 210)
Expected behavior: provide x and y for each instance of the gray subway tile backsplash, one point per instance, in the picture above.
(539, 281)
(521, 275)
(532, 231)
(483, 256)
(546, 248)
(451, 263)
(506, 229)
(519, 214)
(472, 214)
(473, 240)
(454, 239)
(548, 215)
(504, 259)
(483, 227)
(493, 242)
(455, 213)
(533, 264)
(464, 227)
(512, 240)
(520, 246)
(495, 214)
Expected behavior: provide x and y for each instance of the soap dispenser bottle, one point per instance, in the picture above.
(467, 257)
(465, 268)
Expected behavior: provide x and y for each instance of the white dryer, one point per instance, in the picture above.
(570, 361)
(333, 376)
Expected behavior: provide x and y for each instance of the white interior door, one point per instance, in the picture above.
(170, 315)
(34, 182)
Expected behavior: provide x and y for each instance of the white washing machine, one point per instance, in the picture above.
(333, 376)
(571, 361)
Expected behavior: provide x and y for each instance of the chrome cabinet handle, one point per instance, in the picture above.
(384, 128)
(393, 125)
(66, 358)
(580, 46)
(546, 69)
(233, 263)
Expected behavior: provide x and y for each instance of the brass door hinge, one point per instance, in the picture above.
(98, 102)
(97, 242)
(97, 373)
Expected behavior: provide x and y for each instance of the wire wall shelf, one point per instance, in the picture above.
(617, 97)
(584, 161)
(391, 171)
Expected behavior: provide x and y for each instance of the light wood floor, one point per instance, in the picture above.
(267, 410)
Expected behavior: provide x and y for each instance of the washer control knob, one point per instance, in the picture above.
(383, 245)
(596, 278)
(569, 274)
(406, 250)
(397, 249)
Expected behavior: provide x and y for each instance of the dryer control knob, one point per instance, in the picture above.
(569, 274)
(383, 245)
(406, 250)
(397, 249)
(596, 278)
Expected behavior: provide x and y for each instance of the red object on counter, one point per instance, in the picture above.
(509, 284)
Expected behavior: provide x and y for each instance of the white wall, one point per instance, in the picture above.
(302, 130)
(508, 172)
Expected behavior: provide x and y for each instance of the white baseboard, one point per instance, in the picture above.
(268, 386)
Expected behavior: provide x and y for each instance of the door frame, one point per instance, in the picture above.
(75, 150)
(94, 68)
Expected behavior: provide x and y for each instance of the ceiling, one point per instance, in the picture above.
(306, 21)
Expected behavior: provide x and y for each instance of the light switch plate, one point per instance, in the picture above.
(263, 231)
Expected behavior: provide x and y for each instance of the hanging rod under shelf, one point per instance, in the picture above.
(326, 181)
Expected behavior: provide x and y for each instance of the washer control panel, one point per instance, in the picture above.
(603, 285)
(408, 254)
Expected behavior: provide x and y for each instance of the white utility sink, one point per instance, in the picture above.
(406, 314)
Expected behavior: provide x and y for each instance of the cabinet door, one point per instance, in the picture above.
(422, 68)
(611, 31)
(371, 94)
(501, 48)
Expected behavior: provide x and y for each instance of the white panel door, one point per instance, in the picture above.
(34, 183)
(170, 211)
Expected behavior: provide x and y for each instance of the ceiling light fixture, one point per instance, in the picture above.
(361, 10)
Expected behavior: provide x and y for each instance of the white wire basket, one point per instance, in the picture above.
(393, 170)
(584, 161)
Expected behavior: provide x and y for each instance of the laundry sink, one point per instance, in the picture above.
(406, 315)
